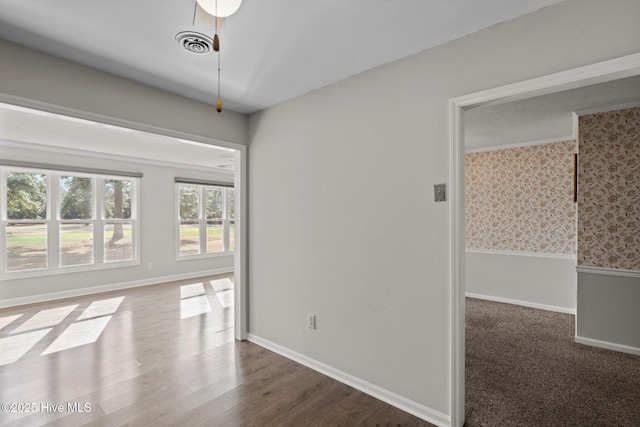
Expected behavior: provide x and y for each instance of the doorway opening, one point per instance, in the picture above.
(580, 77)
(93, 149)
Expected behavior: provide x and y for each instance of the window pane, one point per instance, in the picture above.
(232, 235)
(117, 199)
(76, 244)
(26, 246)
(76, 198)
(189, 202)
(215, 241)
(189, 238)
(215, 203)
(118, 245)
(231, 204)
(26, 195)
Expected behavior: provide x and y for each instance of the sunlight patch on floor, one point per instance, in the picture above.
(101, 308)
(16, 346)
(225, 298)
(46, 318)
(222, 285)
(78, 334)
(194, 290)
(194, 306)
(4, 321)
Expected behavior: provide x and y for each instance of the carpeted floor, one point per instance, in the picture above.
(524, 369)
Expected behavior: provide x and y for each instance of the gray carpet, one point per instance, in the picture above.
(524, 369)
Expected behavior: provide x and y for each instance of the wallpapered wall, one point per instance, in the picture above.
(609, 190)
(521, 199)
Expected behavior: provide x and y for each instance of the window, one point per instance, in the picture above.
(56, 221)
(206, 219)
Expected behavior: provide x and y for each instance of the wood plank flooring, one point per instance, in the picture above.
(162, 355)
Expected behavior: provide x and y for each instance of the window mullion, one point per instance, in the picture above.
(98, 221)
(53, 220)
(203, 218)
(225, 221)
(3, 218)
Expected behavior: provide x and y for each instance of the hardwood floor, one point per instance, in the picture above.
(162, 355)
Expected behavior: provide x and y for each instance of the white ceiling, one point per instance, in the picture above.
(271, 50)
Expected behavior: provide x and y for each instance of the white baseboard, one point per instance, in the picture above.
(420, 411)
(523, 303)
(111, 287)
(608, 345)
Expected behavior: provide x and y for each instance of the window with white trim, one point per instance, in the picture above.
(206, 219)
(59, 221)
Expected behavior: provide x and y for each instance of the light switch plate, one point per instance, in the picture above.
(439, 192)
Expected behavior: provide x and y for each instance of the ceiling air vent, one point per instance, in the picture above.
(195, 42)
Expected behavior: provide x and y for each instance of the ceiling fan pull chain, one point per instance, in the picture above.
(216, 47)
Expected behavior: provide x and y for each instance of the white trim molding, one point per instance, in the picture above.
(523, 254)
(521, 144)
(414, 408)
(608, 271)
(523, 303)
(608, 345)
(457, 255)
(112, 287)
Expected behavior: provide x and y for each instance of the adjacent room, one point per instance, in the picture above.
(525, 225)
(239, 212)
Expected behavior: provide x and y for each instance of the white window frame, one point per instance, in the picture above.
(53, 221)
(202, 221)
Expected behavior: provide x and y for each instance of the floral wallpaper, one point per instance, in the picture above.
(609, 190)
(521, 199)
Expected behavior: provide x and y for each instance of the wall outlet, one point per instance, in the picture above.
(311, 321)
(150, 266)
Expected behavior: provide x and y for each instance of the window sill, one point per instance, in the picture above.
(204, 256)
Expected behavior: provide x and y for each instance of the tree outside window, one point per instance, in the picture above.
(205, 219)
(56, 220)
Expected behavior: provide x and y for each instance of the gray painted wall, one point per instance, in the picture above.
(367, 254)
(608, 309)
(545, 282)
